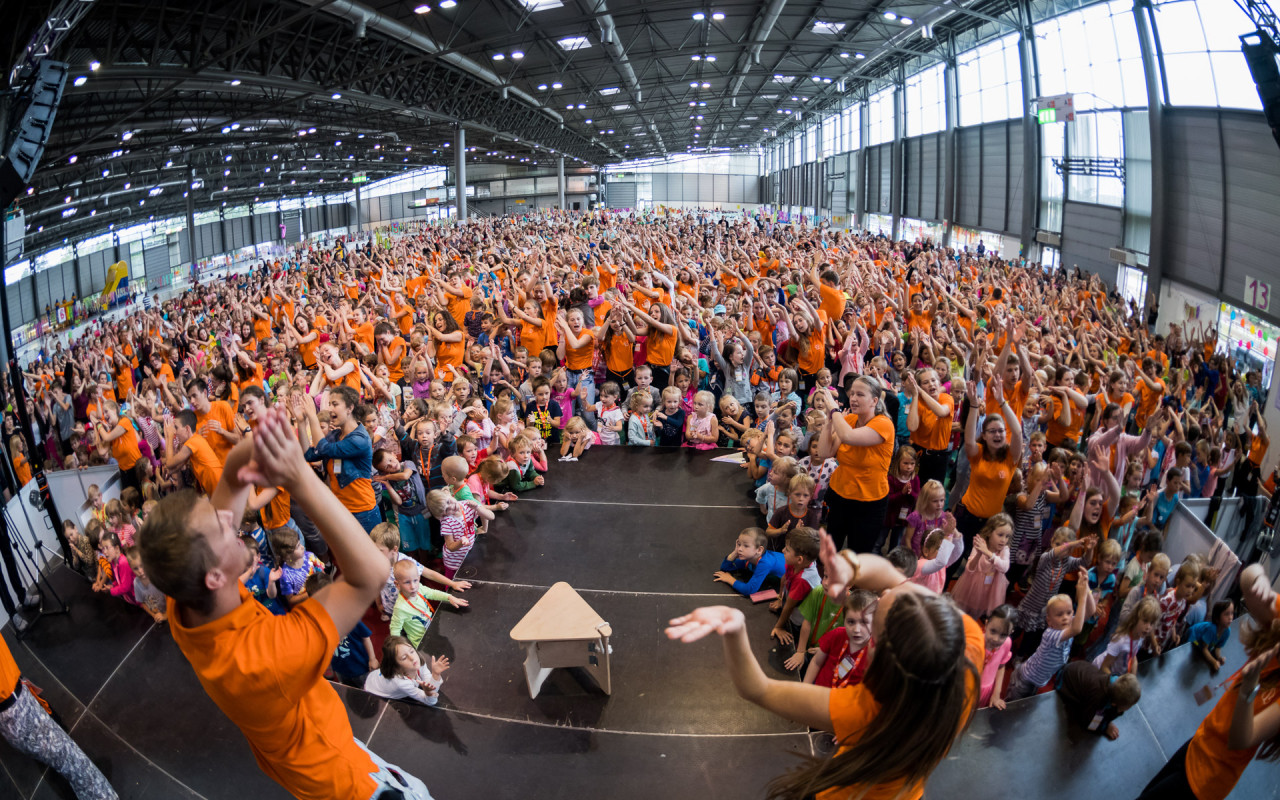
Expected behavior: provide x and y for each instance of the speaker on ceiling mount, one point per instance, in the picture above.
(35, 108)
(1263, 56)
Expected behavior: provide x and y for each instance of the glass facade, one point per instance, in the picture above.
(926, 102)
(1200, 47)
(989, 82)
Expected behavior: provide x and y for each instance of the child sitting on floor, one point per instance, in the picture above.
(401, 675)
(577, 439)
(120, 522)
(821, 614)
(842, 656)
(413, 613)
(751, 555)
(354, 657)
(1209, 637)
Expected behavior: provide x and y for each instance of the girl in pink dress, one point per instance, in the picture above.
(999, 649)
(702, 430)
(983, 584)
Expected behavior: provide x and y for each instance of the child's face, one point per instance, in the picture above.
(408, 585)
(299, 551)
(1141, 630)
(784, 387)
(745, 548)
(1108, 565)
(436, 392)
(109, 550)
(784, 446)
(560, 382)
(407, 660)
(1225, 618)
(609, 400)
(702, 406)
(936, 503)
(469, 452)
(907, 466)
(387, 553)
(542, 394)
(1185, 588)
(857, 626)
(389, 464)
(1037, 450)
(999, 538)
(777, 478)
(682, 382)
(762, 408)
(1059, 616)
(995, 633)
(800, 497)
(670, 405)
(96, 499)
(522, 456)
(790, 556)
(1156, 578)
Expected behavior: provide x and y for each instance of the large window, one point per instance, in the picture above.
(1053, 145)
(926, 102)
(1093, 53)
(881, 110)
(990, 82)
(852, 126)
(831, 135)
(1099, 135)
(1203, 64)
(811, 144)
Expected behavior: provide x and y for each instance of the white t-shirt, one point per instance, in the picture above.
(610, 416)
(1119, 649)
(401, 688)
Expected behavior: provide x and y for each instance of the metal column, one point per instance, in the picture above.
(1155, 116)
(951, 95)
(1030, 137)
(896, 170)
(460, 173)
(191, 233)
(560, 183)
(357, 217)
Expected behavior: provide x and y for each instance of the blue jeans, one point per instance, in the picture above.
(391, 778)
(369, 519)
(585, 410)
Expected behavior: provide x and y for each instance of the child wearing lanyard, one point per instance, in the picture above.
(820, 614)
(841, 659)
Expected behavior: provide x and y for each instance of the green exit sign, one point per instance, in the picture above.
(359, 177)
(1047, 115)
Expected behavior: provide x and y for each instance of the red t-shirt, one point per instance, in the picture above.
(841, 665)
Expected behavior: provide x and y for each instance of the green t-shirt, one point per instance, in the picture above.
(822, 612)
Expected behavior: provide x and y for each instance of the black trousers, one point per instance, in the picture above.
(1170, 783)
(933, 466)
(855, 524)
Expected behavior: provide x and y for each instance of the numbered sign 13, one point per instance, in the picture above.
(1257, 293)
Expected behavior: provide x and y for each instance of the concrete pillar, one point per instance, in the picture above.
(357, 221)
(952, 103)
(191, 232)
(460, 172)
(897, 149)
(1030, 139)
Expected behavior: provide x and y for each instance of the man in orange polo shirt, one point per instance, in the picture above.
(215, 419)
(265, 672)
(183, 445)
(30, 730)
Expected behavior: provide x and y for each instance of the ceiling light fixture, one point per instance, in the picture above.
(699, 16)
(498, 57)
(542, 87)
(336, 95)
(235, 82)
(447, 4)
(517, 54)
(422, 9)
(80, 80)
(889, 15)
(718, 16)
(905, 20)
(557, 85)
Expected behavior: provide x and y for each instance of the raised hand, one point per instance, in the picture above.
(701, 621)
(277, 456)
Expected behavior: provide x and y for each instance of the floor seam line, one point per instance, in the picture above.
(617, 503)
(1163, 755)
(481, 715)
(88, 706)
(141, 755)
(376, 723)
(14, 780)
(721, 595)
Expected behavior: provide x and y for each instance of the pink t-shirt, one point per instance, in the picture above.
(991, 667)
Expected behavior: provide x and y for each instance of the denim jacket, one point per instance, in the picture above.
(355, 450)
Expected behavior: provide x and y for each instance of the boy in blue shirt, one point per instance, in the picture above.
(751, 554)
(260, 579)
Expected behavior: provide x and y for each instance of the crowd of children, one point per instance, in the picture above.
(1014, 436)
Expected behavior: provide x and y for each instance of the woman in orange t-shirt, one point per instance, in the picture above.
(894, 728)
(119, 433)
(929, 420)
(1246, 720)
(992, 461)
(449, 343)
(660, 345)
(862, 444)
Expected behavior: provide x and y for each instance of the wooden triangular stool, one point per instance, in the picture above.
(561, 630)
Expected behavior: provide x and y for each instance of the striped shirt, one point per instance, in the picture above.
(1050, 572)
(1048, 658)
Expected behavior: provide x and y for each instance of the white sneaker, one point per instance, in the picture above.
(570, 458)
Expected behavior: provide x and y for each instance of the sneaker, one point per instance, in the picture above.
(568, 458)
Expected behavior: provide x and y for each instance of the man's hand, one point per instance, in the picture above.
(277, 456)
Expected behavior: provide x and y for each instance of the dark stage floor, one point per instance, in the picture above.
(640, 549)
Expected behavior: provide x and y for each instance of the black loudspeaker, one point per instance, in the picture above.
(36, 105)
(1263, 57)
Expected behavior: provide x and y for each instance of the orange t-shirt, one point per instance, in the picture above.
(811, 360)
(1017, 399)
(620, 355)
(853, 708)
(308, 352)
(531, 337)
(276, 513)
(124, 448)
(256, 379)
(356, 496)
(265, 672)
(459, 306)
(862, 473)
(1257, 451)
(205, 466)
(23, 469)
(261, 328)
(351, 379)
(934, 432)
(363, 334)
(124, 381)
(9, 672)
(1059, 433)
(579, 358)
(661, 347)
(988, 484)
(1212, 767)
(394, 369)
(1148, 401)
(923, 322)
(832, 301)
(221, 411)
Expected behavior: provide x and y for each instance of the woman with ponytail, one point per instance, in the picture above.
(894, 728)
